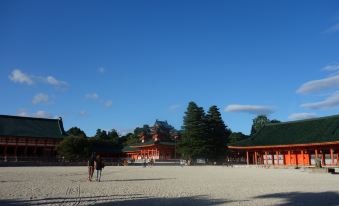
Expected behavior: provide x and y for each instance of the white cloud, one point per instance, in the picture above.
(18, 76)
(333, 28)
(42, 114)
(300, 116)
(40, 98)
(331, 67)
(83, 113)
(329, 102)
(252, 109)
(174, 107)
(321, 84)
(22, 112)
(92, 96)
(54, 82)
(108, 103)
(101, 70)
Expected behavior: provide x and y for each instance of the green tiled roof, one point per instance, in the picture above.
(318, 130)
(16, 126)
(129, 149)
(148, 142)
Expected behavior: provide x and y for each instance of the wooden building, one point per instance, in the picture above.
(160, 144)
(28, 138)
(297, 143)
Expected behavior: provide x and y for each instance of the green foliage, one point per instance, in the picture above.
(218, 133)
(75, 131)
(128, 139)
(74, 148)
(258, 123)
(145, 130)
(101, 135)
(236, 136)
(113, 136)
(195, 142)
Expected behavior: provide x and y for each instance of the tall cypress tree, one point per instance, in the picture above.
(194, 142)
(218, 133)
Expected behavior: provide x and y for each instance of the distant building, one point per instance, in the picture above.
(160, 144)
(293, 143)
(28, 138)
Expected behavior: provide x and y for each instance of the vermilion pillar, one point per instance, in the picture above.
(277, 154)
(255, 158)
(332, 157)
(266, 160)
(302, 158)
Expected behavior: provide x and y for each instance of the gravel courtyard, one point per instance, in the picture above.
(167, 185)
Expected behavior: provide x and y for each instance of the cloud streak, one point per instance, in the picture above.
(300, 116)
(252, 109)
(92, 96)
(333, 29)
(108, 103)
(329, 102)
(17, 76)
(40, 98)
(321, 84)
(331, 67)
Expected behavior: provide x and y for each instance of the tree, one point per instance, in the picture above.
(236, 136)
(258, 123)
(218, 133)
(275, 121)
(75, 131)
(113, 136)
(74, 148)
(101, 135)
(194, 143)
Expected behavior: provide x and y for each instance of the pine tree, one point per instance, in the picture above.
(258, 123)
(218, 133)
(194, 142)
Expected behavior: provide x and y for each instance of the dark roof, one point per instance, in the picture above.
(317, 130)
(129, 149)
(16, 126)
(150, 142)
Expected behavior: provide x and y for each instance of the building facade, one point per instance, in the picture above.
(160, 144)
(28, 138)
(297, 143)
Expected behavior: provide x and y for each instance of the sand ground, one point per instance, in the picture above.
(167, 185)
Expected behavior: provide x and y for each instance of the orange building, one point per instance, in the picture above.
(29, 139)
(159, 144)
(297, 143)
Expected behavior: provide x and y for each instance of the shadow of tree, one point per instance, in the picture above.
(133, 200)
(305, 198)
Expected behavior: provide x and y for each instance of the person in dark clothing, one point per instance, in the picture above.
(99, 165)
(91, 167)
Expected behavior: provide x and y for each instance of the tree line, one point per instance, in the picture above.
(202, 135)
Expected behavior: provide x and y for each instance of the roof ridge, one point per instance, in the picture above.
(302, 120)
(23, 117)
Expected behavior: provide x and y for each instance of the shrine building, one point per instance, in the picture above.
(296, 143)
(160, 144)
(28, 138)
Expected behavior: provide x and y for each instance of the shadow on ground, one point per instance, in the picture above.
(329, 198)
(132, 180)
(121, 200)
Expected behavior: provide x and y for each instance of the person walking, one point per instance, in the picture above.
(99, 165)
(91, 167)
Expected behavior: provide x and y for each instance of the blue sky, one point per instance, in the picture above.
(122, 64)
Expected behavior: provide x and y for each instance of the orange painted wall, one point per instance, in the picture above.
(296, 159)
